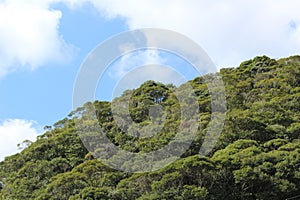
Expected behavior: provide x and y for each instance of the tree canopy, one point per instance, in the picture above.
(257, 155)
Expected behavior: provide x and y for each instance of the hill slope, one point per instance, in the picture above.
(257, 155)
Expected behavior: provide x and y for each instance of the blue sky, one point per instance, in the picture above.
(43, 44)
(45, 94)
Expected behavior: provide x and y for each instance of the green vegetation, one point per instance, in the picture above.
(257, 155)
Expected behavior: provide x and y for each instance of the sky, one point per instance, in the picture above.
(44, 43)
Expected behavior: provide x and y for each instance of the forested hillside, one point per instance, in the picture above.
(257, 155)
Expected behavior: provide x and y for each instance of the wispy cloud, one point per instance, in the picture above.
(136, 77)
(129, 62)
(131, 70)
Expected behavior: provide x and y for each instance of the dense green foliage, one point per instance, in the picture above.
(257, 155)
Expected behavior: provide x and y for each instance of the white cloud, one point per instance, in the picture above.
(13, 132)
(29, 35)
(229, 31)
